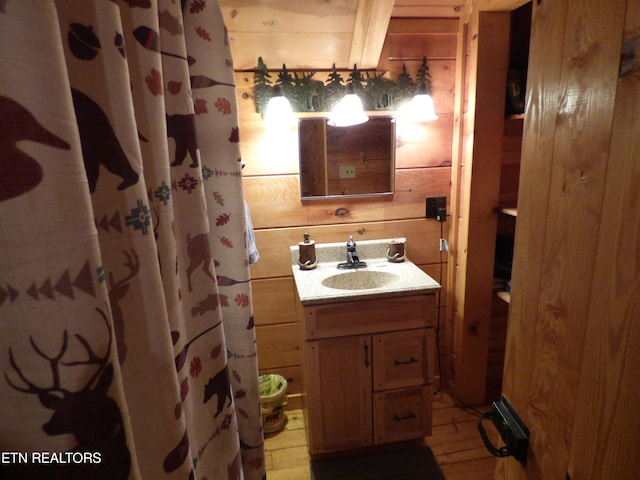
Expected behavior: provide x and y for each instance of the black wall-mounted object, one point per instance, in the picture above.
(435, 206)
(513, 431)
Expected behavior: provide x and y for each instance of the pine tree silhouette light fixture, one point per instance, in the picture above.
(375, 91)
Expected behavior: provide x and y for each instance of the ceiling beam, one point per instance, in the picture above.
(369, 31)
(428, 8)
(427, 11)
(489, 6)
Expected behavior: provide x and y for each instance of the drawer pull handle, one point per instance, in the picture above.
(397, 363)
(398, 418)
(366, 355)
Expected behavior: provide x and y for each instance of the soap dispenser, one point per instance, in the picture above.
(307, 251)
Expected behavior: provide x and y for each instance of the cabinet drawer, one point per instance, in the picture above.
(402, 414)
(368, 316)
(402, 359)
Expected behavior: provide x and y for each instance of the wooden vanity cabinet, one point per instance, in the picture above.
(368, 371)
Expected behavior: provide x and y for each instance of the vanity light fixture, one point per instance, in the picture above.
(369, 90)
(349, 111)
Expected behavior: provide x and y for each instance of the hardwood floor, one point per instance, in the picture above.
(455, 442)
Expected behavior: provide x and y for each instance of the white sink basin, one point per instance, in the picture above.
(379, 279)
(360, 280)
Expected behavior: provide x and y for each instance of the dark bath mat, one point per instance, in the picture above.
(407, 464)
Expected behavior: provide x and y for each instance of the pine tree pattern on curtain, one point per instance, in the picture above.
(124, 261)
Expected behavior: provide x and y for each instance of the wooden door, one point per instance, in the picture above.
(339, 393)
(572, 366)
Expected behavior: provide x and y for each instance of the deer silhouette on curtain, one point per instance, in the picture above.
(127, 347)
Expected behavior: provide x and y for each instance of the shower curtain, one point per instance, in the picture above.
(127, 345)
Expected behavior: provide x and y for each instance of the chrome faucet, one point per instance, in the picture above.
(353, 261)
(352, 257)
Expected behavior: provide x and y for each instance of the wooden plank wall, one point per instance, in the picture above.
(573, 351)
(272, 191)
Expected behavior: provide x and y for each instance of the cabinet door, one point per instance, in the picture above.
(339, 397)
(402, 414)
(402, 359)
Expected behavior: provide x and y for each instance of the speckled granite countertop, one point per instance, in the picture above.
(408, 280)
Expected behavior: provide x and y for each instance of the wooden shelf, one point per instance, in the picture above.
(506, 296)
(510, 211)
(518, 116)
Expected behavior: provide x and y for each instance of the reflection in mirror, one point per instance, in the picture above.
(346, 161)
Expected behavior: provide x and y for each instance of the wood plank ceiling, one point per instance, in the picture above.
(315, 34)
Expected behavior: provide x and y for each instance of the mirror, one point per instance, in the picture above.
(346, 161)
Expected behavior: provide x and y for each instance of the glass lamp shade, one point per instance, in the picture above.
(278, 111)
(349, 111)
(420, 108)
